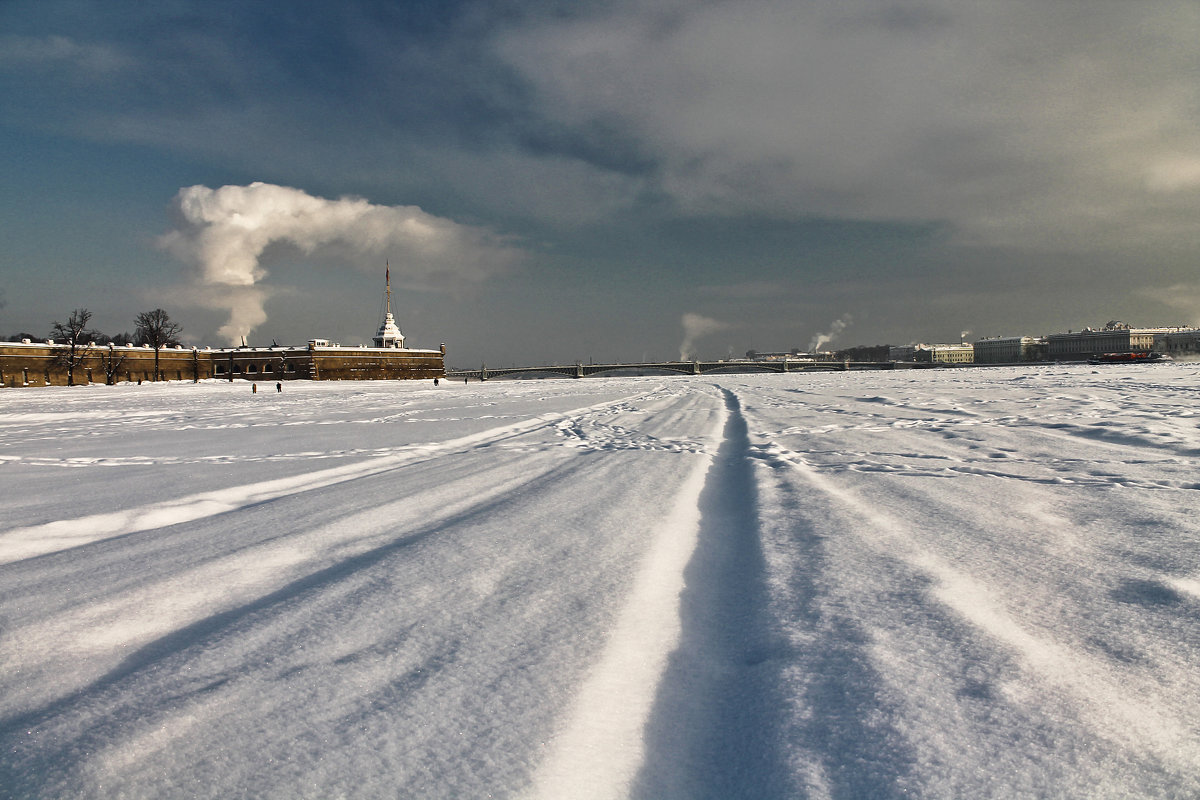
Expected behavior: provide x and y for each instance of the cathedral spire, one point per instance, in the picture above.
(389, 334)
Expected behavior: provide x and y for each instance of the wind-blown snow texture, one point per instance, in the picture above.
(959, 583)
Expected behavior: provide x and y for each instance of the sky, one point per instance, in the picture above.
(551, 182)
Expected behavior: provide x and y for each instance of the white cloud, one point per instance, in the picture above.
(54, 50)
(1174, 174)
(1182, 297)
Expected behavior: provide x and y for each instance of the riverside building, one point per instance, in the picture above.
(1115, 337)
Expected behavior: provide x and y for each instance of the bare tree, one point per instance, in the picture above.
(156, 329)
(75, 334)
(111, 361)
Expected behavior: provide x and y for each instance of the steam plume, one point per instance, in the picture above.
(224, 232)
(694, 327)
(835, 329)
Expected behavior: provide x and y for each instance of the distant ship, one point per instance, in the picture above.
(1136, 357)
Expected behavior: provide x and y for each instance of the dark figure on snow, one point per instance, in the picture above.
(279, 387)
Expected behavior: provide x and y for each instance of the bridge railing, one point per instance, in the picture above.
(678, 367)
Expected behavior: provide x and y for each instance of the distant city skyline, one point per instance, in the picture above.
(623, 181)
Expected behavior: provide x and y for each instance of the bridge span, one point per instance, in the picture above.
(580, 370)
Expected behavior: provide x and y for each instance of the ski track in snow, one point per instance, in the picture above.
(49, 537)
(1067, 585)
(975, 583)
(600, 749)
(1132, 724)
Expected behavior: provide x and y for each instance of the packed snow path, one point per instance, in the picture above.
(967, 583)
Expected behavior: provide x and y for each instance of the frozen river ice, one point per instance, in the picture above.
(921, 583)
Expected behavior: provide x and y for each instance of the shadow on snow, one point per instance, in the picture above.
(38, 755)
(713, 731)
(739, 708)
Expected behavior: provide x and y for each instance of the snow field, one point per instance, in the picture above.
(954, 583)
(1015, 622)
(427, 608)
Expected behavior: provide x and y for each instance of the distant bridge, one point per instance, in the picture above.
(580, 370)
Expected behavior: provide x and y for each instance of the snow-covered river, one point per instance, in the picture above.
(922, 583)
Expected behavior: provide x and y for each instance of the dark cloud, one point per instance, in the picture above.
(1013, 122)
(852, 154)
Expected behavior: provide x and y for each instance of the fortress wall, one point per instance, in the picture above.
(376, 364)
(37, 364)
(262, 363)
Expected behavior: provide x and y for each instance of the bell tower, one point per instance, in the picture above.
(389, 334)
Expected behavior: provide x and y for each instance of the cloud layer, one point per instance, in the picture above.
(1015, 122)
